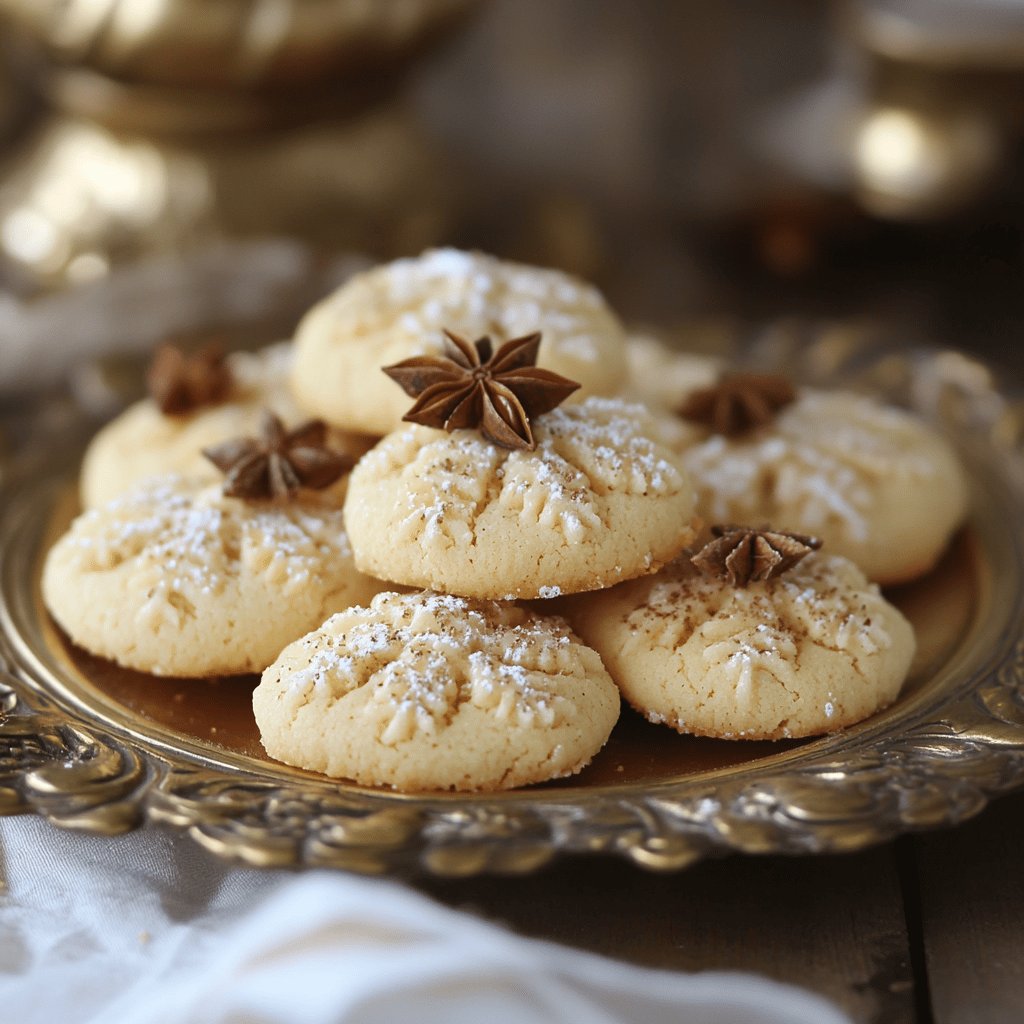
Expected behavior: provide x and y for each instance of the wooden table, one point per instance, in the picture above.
(927, 929)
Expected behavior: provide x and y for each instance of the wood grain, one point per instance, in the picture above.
(972, 917)
(832, 924)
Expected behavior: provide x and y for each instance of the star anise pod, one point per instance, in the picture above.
(744, 554)
(739, 402)
(179, 382)
(470, 387)
(278, 462)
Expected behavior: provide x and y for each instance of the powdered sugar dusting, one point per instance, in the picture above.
(509, 692)
(184, 541)
(614, 443)
(754, 633)
(479, 294)
(476, 294)
(422, 657)
(263, 376)
(830, 599)
(817, 465)
(750, 656)
(584, 453)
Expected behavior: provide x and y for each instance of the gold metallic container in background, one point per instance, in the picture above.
(179, 121)
(235, 44)
(945, 104)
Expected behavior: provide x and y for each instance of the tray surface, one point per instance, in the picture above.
(96, 747)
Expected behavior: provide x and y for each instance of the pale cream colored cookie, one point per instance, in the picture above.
(400, 310)
(598, 501)
(875, 483)
(811, 651)
(143, 442)
(661, 377)
(430, 692)
(173, 578)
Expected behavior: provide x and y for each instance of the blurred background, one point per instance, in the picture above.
(173, 166)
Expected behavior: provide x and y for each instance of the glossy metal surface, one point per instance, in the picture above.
(173, 123)
(94, 747)
(233, 44)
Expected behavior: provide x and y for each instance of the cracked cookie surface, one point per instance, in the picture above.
(431, 692)
(173, 578)
(143, 442)
(811, 651)
(597, 501)
(874, 483)
(400, 310)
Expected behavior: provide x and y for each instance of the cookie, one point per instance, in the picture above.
(144, 442)
(811, 651)
(430, 692)
(661, 377)
(875, 483)
(400, 310)
(596, 502)
(174, 578)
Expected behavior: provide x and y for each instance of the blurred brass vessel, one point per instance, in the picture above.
(232, 44)
(945, 104)
(174, 121)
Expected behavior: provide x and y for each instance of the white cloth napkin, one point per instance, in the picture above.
(149, 929)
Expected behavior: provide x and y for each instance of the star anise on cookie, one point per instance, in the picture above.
(472, 386)
(744, 554)
(180, 382)
(739, 402)
(278, 462)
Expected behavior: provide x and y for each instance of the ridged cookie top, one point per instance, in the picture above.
(174, 578)
(485, 295)
(752, 632)
(426, 658)
(808, 652)
(185, 540)
(823, 458)
(400, 309)
(584, 454)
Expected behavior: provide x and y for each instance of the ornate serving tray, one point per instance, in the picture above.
(94, 747)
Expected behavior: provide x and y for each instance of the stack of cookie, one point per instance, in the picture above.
(515, 464)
